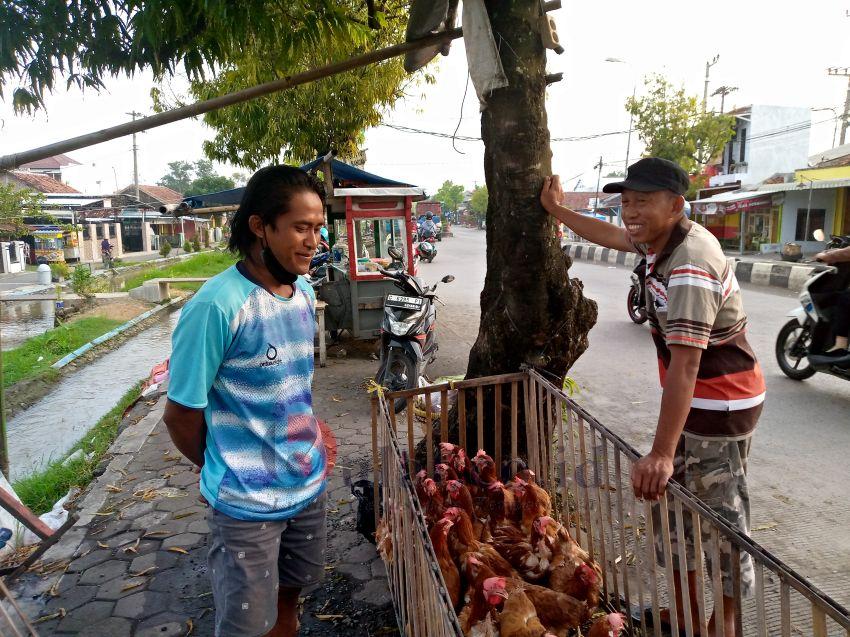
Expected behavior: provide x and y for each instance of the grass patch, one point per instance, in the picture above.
(22, 362)
(41, 490)
(202, 265)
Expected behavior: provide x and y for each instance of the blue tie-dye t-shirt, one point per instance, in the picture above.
(245, 356)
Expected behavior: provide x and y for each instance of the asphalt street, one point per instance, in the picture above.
(798, 465)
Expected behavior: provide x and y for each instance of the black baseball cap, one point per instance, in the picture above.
(651, 174)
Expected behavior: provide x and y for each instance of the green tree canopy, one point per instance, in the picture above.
(480, 199)
(298, 124)
(450, 195)
(15, 204)
(86, 41)
(673, 126)
(195, 178)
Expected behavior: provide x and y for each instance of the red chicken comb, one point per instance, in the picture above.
(495, 485)
(422, 474)
(480, 453)
(448, 446)
(442, 466)
(587, 574)
(617, 621)
(454, 485)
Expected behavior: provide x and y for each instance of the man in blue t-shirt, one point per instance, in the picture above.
(240, 407)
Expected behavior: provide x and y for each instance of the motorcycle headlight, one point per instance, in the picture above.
(399, 328)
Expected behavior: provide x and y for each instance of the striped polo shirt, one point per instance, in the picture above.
(693, 299)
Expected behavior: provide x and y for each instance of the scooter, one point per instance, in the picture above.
(636, 299)
(408, 335)
(803, 340)
(426, 250)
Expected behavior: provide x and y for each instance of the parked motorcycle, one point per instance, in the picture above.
(408, 335)
(803, 340)
(426, 250)
(636, 299)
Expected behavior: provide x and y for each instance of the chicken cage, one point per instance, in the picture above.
(585, 468)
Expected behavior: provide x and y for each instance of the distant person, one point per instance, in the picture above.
(841, 321)
(106, 247)
(713, 385)
(429, 228)
(240, 407)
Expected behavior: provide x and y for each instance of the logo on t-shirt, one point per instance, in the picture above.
(271, 357)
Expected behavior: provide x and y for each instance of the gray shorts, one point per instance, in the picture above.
(249, 562)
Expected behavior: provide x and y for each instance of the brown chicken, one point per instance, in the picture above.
(530, 556)
(610, 625)
(558, 612)
(501, 505)
(444, 473)
(585, 584)
(517, 615)
(457, 495)
(462, 540)
(534, 502)
(448, 451)
(477, 616)
(485, 469)
(433, 507)
(384, 541)
(451, 575)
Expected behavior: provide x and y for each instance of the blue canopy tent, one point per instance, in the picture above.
(344, 175)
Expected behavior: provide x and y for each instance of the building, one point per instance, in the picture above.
(50, 166)
(763, 218)
(767, 140)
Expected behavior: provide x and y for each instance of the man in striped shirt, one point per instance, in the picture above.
(713, 385)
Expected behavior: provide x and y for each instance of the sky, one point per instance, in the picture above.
(775, 53)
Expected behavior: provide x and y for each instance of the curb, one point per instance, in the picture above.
(769, 274)
(111, 334)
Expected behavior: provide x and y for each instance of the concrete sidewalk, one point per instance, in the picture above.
(135, 564)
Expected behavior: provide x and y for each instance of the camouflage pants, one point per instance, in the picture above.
(716, 473)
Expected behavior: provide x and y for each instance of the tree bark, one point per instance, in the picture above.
(532, 313)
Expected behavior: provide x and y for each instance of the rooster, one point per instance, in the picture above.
(530, 556)
(462, 540)
(451, 575)
(610, 625)
(558, 612)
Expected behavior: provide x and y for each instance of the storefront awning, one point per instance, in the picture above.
(732, 202)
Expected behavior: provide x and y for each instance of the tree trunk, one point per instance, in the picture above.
(532, 313)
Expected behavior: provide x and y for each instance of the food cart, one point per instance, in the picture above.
(49, 244)
(366, 214)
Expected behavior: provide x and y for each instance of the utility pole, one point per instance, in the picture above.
(723, 91)
(134, 114)
(598, 180)
(845, 119)
(631, 127)
(708, 66)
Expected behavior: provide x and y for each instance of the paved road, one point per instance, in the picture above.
(799, 470)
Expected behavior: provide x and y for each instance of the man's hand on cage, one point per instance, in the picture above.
(650, 475)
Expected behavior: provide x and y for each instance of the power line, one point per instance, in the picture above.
(466, 138)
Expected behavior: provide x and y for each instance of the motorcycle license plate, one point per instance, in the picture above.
(404, 302)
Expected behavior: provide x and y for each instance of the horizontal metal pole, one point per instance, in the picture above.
(8, 162)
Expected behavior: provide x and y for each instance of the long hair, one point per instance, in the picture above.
(267, 195)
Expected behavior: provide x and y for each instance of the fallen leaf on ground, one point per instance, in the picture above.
(103, 545)
(129, 587)
(326, 618)
(113, 489)
(184, 515)
(766, 527)
(336, 399)
(155, 533)
(57, 615)
(177, 549)
(144, 572)
(189, 627)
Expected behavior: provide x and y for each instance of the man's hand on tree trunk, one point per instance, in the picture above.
(552, 194)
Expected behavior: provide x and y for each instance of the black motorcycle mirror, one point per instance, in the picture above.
(395, 253)
(447, 279)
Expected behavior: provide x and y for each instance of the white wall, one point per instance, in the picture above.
(781, 153)
(823, 199)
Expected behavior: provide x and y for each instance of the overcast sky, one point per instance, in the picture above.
(775, 53)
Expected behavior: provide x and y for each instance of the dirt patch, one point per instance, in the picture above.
(122, 309)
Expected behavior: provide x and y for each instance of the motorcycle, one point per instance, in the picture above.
(426, 250)
(408, 336)
(802, 341)
(636, 299)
